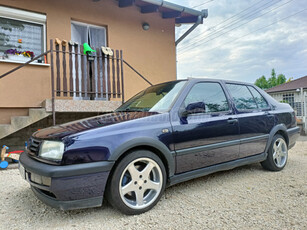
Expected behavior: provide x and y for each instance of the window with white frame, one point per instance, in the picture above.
(94, 35)
(22, 34)
(288, 98)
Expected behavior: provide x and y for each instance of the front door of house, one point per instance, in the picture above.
(95, 36)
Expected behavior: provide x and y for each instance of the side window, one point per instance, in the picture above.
(242, 97)
(261, 102)
(209, 94)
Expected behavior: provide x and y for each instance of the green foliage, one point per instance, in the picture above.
(272, 81)
(264, 83)
(290, 79)
(281, 79)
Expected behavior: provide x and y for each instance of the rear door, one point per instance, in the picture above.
(207, 137)
(254, 116)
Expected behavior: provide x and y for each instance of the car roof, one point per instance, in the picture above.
(217, 80)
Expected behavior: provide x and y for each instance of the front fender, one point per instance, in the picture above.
(145, 141)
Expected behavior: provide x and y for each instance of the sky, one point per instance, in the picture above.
(245, 39)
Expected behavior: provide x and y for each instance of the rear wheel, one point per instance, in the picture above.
(137, 183)
(277, 154)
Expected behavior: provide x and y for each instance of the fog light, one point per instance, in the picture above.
(40, 179)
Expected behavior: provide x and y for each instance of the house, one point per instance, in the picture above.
(294, 93)
(134, 42)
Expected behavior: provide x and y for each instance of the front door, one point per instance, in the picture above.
(205, 137)
(254, 117)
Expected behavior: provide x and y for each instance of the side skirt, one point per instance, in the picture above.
(216, 168)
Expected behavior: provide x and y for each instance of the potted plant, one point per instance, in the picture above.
(28, 54)
(15, 55)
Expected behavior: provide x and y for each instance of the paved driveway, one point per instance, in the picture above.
(244, 198)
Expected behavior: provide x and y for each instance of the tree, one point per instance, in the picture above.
(262, 82)
(272, 81)
(290, 79)
(281, 79)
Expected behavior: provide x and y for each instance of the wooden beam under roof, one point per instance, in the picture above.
(171, 14)
(192, 19)
(149, 9)
(125, 3)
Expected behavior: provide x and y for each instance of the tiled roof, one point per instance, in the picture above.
(292, 85)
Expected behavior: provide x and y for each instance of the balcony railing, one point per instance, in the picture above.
(73, 75)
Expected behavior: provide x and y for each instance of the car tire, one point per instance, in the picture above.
(277, 154)
(137, 183)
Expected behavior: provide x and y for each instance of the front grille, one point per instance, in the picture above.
(34, 146)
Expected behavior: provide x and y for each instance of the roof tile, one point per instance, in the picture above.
(292, 85)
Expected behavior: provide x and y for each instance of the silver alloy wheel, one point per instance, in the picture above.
(140, 183)
(280, 152)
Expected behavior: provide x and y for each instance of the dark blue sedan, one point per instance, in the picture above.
(166, 134)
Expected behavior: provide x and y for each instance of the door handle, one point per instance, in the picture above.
(270, 115)
(232, 120)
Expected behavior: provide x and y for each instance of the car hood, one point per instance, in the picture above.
(60, 131)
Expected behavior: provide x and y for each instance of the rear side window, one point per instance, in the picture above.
(242, 97)
(261, 102)
(209, 93)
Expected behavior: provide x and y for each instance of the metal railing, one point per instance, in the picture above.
(74, 76)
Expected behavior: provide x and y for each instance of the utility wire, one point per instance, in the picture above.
(231, 17)
(202, 4)
(257, 30)
(238, 13)
(206, 41)
(233, 23)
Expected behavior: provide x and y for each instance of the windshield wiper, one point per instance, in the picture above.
(130, 110)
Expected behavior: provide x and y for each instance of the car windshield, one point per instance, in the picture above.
(157, 98)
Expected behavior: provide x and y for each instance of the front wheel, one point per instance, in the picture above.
(277, 154)
(137, 183)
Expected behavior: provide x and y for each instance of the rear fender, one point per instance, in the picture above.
(277, 128)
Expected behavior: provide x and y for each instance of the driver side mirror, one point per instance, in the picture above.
(192, 108)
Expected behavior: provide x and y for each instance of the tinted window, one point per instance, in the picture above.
(211, 94)
(261, 102)
(242, 97)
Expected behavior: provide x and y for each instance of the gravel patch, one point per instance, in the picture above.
(244, 198)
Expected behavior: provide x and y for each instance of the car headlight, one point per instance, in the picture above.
(52, 150)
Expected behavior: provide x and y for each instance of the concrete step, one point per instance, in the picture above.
(20, 122)
(38, 113)
(4, 129)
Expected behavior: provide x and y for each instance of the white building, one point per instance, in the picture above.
(294, 93)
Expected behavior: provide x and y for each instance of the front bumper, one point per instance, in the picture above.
(66, 187)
